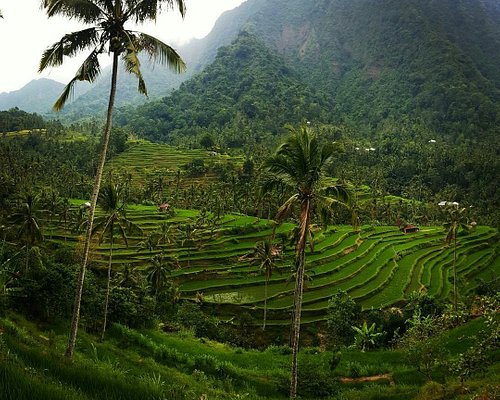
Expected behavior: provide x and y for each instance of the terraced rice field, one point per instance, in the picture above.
(378, 266)
(143, 157)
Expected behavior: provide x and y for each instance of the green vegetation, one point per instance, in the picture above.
(206, 263)
(150, 364)
(398, 78)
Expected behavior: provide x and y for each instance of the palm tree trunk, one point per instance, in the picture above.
(26, 264)
(299, 290)
(93, 201)
(265, 302)
(455, 272)
(108, 286)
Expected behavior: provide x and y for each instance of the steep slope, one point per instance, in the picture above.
(379, 61)
(383, 60)
(197, 54)
(244, 95)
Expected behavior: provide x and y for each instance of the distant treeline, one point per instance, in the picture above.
(17, 120)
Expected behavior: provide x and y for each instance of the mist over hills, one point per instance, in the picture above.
(35, 96)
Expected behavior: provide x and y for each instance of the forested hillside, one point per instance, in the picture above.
(416, 81)
(246, 94)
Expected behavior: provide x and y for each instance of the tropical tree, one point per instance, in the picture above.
(108, 35)
(113, 221)
(297, 167)
(65, 214)
(366, 336)
(266, 254)
(129, 276)
(27, 220)
(165, 233)
(456, 222)
(159, 270)
(148, 244)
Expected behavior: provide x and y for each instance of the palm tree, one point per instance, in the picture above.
(108, 35)
(158, 271)
(297, 166)
(266, 254)
(114, 220)
(26, 218)
(129, 276)
(65, 214)
(165, 233)
(148, 244)
(456, 222)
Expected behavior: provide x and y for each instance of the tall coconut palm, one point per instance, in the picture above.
(166, 233)
(149, 244)
(107, 35)
(297, 166)
(113, 221)
(266, 254)
(456, 222)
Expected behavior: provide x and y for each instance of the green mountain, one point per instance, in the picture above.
(431, 63)
(197, 54)
(436, 61)
(391, 75)
(246, 93)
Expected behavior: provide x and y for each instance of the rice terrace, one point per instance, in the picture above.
(250, 200)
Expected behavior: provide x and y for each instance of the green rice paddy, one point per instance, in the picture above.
(378, 266)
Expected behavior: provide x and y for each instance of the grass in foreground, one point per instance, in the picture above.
(150, 364)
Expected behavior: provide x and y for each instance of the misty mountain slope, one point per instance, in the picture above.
(378, 63)
(36, 96)
(197, 54)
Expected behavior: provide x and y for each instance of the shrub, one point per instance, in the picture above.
(343, 313)
(280, 350)
(314, 380)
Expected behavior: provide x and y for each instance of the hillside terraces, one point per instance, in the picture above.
(143, 157)
(377, 266)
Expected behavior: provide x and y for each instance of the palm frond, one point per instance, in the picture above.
(69, 45)
(86, 11)
(88, 71)
(284, 210)
(133, 65)
(144, 10)
(161, 52)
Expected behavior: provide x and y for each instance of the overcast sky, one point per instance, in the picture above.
(25, 33)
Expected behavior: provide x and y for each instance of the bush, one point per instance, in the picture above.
(314, 380)
(343, 313)
(280, 350)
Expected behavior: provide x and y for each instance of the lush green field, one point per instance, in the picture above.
(149, 364)
(378, 266)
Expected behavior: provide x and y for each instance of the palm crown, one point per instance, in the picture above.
(108, 35)
(297, 167)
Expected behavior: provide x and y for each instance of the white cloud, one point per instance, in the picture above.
(25, 33)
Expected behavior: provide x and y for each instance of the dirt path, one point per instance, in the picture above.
(373, 378)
